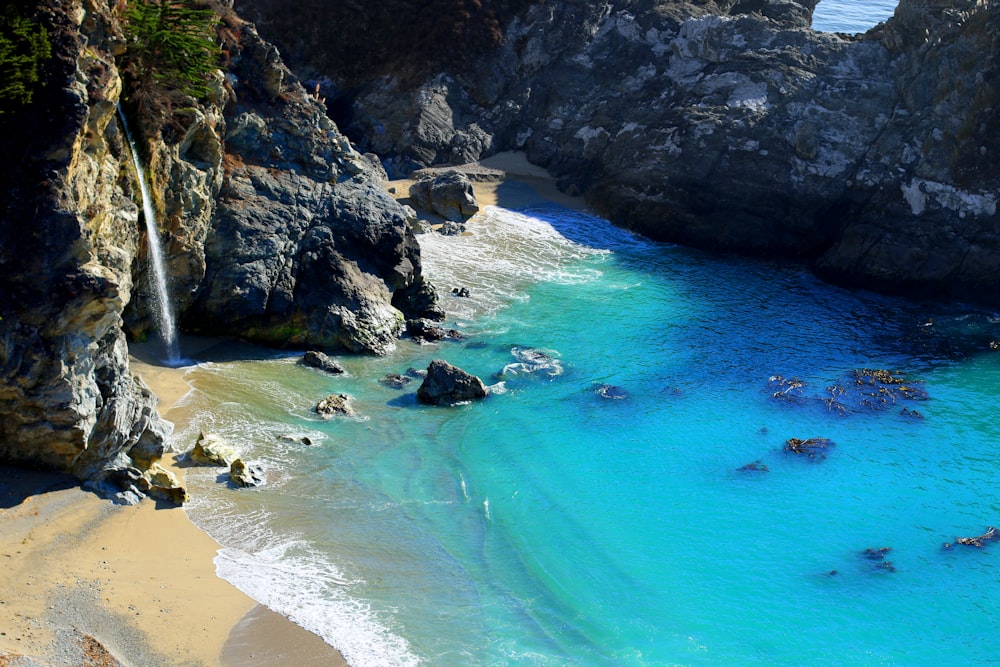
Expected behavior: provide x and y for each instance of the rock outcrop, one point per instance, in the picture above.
(732, 125)
(448, 385)
(69, 237)
(275, 230)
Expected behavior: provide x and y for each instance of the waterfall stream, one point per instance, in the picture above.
(162, 312)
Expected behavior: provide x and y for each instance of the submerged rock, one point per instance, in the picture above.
(447, 385)
(334, 405)
(754, 466)
(877, 557)
(245, 475)
(323, 362)
(395, 381)
(610, 391)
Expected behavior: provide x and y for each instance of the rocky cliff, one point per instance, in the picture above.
(732, 125)
(274, 226)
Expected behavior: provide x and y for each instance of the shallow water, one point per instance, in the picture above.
(851, 16)
(554, 525)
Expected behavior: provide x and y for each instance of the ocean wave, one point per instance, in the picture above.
(294, 580)
(505, 253)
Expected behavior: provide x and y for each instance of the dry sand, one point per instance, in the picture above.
(85, 582)
(139, 580)
(505, 179)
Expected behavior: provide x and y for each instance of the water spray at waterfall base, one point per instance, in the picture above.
(162, 311)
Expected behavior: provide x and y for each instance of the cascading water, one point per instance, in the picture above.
(163, 312)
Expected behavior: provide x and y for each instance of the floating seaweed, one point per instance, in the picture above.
(979, 541)
(863, 390)
(788, 389)
(811, 448)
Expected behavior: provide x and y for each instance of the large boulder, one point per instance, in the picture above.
(447, 385)
(212, 450)
(449, 194)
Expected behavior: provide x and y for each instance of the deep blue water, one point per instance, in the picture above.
(851, 16)
(552, 525)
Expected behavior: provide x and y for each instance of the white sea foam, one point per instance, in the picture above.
(504, 253)
(302, 584)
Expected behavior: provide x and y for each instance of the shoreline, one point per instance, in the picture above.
(86, 580)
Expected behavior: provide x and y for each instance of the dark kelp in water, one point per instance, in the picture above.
(813, 449)
(863, 390)
(979, 541)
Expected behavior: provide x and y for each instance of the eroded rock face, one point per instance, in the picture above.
(731, 125)
(68, 237)
(280, 231)
(274, 228)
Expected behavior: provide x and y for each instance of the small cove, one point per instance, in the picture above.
(551, 525)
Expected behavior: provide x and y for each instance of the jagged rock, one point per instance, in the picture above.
(447, 385)
(323, 362)
(244, 475)
(162, 484)
(447, 194)
(212, 450)
(69, 236)
(334, 405)
(886, 178)
(425, 331)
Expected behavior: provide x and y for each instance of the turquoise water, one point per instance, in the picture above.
(851, 16)
(551, 525)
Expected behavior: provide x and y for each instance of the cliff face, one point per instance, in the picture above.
(733, 125)
(273, 226)
(69, 234)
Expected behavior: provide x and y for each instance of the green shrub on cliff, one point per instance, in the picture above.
(172, 45)
(24, 48)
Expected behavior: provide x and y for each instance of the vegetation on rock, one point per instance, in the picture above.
(172, 50)
(24, 49)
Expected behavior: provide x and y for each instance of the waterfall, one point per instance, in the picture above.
(162, 312)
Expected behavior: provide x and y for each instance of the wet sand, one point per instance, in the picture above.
(82, 578)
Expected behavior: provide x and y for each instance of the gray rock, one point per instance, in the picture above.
(731, 125)
(323, 362)
(245, 475)
(335, 405)
(447, 385)
(447, 194)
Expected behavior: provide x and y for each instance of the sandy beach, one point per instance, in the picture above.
(86, 582)
(505, 179)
